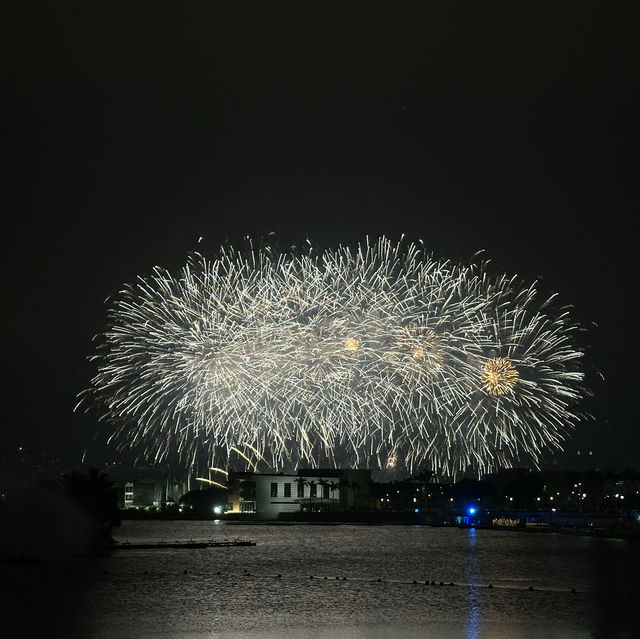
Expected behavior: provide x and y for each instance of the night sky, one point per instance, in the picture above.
(133, 130)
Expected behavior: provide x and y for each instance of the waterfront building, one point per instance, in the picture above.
(145, 486)
(310, 490)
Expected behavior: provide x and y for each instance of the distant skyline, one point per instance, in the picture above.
(131, 136)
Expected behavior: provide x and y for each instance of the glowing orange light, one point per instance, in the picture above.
(499, 376)
(351, 344)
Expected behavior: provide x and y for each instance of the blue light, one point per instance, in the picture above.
(471, 510)
(416, 510)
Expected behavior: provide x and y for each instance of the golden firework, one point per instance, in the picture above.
(351, 344)
(499, 376)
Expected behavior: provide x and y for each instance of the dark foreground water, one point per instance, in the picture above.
(368, 582)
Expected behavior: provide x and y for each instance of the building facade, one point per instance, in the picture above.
(144, 487)
(310, 490)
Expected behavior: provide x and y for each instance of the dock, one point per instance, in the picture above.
(126, 545)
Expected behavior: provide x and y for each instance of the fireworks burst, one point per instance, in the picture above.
(499, 376)
(380, 356)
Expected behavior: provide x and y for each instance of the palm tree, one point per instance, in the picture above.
(355, 487)
(344, 484)
(333, 486)
(312, 483)
(302, 482)
(322, 483)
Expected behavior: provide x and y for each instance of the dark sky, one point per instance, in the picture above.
(134, 129)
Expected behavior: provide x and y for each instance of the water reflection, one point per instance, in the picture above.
(474, 594)
(354, 582)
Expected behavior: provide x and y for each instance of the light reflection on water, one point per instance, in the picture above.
(475, 596)
(348, 581)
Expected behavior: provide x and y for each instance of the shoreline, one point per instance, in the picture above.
(581, 531)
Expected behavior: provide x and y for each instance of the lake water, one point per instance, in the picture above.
(318, 581)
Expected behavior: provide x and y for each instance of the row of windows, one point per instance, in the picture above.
(313, 490)
(274, 489)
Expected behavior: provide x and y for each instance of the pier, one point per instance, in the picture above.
(183, 544)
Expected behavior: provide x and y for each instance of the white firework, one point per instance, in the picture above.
(348, 358)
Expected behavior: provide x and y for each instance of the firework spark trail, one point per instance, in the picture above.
(380, 356)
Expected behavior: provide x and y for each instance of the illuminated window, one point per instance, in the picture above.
(274, 489)
(287, 490)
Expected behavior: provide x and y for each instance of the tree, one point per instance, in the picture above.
(322, 483)
(302, 482)
(355, 487)
(312, 492)
(610, 477)
(333, 486)
(344, 484)
(203, 502)
(525, 491)
(95, 494)
(424, 478)
(593, 484)
(575, 478)
(630, 479)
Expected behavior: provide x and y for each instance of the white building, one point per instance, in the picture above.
(318, 490)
